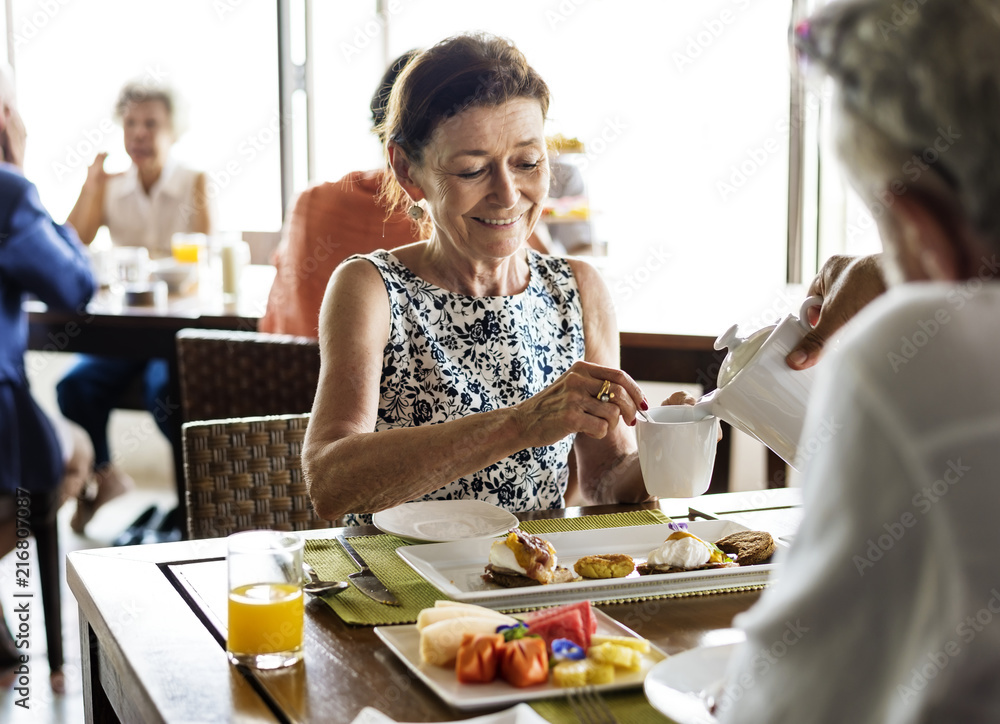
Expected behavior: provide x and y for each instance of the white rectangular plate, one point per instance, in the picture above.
(456, 568)
(404, 641)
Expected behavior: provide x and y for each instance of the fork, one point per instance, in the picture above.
(589, 707)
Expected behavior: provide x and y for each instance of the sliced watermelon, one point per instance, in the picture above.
(566, 625)
(586, 612)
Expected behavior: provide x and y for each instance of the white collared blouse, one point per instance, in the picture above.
(136, 218)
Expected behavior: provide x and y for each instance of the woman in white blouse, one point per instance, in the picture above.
(144, 206)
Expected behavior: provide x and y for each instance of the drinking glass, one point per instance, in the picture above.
(188, 248)
(266, 610)
(235, 256)
(131, 264)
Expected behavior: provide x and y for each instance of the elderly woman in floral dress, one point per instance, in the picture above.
(467, 366)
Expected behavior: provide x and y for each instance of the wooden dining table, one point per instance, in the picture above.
(154, 651)
(109, 327)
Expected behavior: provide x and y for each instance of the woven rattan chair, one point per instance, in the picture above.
(240, 374)
(246, 473)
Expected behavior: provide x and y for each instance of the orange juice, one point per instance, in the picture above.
(186, 253)
(265, 618)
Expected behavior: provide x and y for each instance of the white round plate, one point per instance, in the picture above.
(440, 521)
(673, 685)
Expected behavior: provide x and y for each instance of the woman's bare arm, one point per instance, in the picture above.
(202, 222)
(87, 215)
(608, 467)
(350, 467)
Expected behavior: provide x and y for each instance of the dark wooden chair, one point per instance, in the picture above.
(243, 374)
(42, 526)
(241, 466)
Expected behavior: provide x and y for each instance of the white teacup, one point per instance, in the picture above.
(677, 450)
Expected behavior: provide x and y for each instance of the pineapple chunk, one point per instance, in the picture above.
(581, 673)
(640, 645)
(620, 656)
(570, 673)
(600, 673)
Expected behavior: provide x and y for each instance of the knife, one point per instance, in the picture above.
(364, 580)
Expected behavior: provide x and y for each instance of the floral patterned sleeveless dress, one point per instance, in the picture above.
(450, 355)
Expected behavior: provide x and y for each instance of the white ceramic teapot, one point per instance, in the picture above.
(758, 392)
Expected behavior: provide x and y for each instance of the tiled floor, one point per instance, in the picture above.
(150, 465)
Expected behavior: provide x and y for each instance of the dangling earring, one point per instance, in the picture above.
(415, 212)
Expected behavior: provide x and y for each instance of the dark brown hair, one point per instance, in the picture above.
(380, 100)
(461, 72)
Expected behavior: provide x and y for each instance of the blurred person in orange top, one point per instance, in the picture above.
(333, 221)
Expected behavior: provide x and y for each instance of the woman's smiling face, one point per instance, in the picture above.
(484, 176)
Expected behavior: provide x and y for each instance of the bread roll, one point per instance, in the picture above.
(439, 641)
(431, 616)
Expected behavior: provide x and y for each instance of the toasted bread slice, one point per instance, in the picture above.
(512, 579)
(751, 547)
(647, 570)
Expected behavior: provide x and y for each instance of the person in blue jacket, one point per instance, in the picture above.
(43, 462)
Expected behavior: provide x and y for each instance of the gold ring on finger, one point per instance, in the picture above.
(605, 395)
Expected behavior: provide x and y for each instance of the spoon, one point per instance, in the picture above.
(316, 587)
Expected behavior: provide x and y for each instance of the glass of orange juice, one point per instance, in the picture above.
(188, 248)
(266, 610)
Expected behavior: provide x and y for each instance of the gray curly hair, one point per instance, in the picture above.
(142, 91)
(918, 86)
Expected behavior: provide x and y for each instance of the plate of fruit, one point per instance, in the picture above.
(474, 657)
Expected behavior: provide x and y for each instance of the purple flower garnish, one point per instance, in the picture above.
(567, 650)
(677, 526)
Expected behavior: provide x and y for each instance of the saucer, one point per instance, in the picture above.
(440, 521)
(675, 687)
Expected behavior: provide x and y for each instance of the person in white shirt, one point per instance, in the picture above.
(887, 607)
(144, 206)
(156, 197)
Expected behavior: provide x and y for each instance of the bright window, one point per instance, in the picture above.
(220, 57)
(683, 108)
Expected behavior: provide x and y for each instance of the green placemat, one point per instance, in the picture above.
(413, 592)
(629, 707)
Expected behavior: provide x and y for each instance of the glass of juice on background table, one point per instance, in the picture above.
(266, 610)
(189, 248)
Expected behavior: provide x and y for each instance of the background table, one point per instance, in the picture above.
(108, 327)
(150, 652)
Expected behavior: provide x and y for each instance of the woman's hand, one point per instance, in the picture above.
(682, 398)
(679, 398)
(571, 405)
(87, 214)
(846, 284)
(97, 177)
(13, 137)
